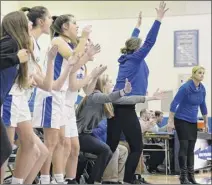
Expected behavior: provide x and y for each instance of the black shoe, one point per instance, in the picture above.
(192, 179)
(110, 182)
(144, 181)
(183, 170)
(139, 180)
(69, 181)
(151, 170)
(190, 165)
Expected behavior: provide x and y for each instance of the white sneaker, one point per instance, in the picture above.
(53, 182)
(41, 183)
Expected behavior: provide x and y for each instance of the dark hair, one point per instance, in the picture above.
(58, 21)
(56, 27)
(158, 113)
(142, 112)
(54, 17)
(131, 45)
(34, 13)
(15, 25)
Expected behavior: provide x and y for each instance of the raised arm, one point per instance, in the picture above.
(152, 35)
(76, 84)
(88, 83)
(65, 51)
(83, 39)
(87, 56)
(136, 30)
(89, 88)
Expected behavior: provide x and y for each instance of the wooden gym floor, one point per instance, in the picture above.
(204, 178)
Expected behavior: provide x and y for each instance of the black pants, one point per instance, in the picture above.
(156, 157)
(80, 166)
(5, 148)
(90, 144)
(187, 135)
(126, 121)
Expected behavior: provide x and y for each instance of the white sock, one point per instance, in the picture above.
(59, 177)
(45, 179)
(17, 181)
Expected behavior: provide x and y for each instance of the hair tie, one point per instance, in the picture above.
(54, 18)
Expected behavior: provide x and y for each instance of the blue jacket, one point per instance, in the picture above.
(100, 132)
(9, 66)
(134, 67)
(187, 101)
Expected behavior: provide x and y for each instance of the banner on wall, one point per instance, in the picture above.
(186, 46)
(202, 154)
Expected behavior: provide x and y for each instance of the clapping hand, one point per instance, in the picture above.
(127, 87)
(92, 50)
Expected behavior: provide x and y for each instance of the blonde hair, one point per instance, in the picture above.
(100, 85)
(131, 45)
(194, 70)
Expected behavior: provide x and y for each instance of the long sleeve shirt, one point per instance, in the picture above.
(134, 67)
(9, 64)
(92, 111)
(187, 101)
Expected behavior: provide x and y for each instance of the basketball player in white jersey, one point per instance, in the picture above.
(15, 110)
(41, 22)
(79, 79)
(48, 113)
(40, 26)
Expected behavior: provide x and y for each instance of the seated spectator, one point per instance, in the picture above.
(114, 172)
(150, 124)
